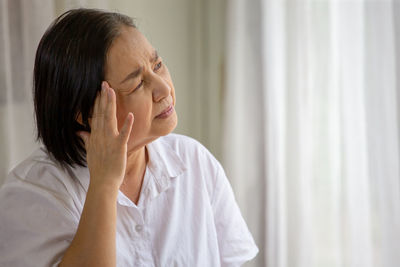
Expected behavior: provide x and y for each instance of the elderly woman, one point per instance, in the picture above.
(111, 185)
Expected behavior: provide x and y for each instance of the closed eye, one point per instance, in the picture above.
(158, 66)
(140, 85)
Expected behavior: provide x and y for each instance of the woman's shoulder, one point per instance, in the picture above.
(40, 175)
(34, 169)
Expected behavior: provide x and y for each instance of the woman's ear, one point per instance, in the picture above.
(79, 118)
(80, 121)
(80, 126)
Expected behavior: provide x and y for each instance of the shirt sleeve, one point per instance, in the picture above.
(36, 226)
(235, 241)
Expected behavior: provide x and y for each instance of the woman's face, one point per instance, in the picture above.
(143, 86)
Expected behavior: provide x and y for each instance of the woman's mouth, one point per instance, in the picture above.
(166, 112)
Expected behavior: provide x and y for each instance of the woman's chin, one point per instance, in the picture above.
(164, 129)
(170, 127)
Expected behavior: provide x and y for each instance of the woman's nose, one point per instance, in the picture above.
(161, 88)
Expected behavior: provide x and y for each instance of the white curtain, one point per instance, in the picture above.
(311, 129)
(22, 23)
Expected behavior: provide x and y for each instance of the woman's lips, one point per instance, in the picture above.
(166, 112)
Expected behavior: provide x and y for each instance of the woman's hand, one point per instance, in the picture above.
(106, 147)
(94, 243)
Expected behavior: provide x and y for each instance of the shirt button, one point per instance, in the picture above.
(138, 228)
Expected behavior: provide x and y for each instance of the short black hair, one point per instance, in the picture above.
(68, 72)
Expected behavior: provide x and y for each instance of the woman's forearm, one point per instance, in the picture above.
(106, 156)
(94, 242)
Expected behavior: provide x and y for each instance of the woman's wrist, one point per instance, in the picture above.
(105, 190)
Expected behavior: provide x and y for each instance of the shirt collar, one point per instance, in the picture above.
(163, 159)
(164, 164)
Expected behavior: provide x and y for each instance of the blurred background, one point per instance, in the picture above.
(299, 100)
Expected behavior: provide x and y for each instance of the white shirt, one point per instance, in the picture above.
(186, 214)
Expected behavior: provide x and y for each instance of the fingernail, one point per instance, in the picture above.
(103, 86)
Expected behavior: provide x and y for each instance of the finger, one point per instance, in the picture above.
(95, 111)
(111, 112)
(102, 106)
(103, 100)
(126, 128)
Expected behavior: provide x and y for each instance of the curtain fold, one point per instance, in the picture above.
(22, 23)
(243, 120)
(311, 117)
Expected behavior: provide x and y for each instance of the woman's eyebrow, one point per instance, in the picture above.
(155, 56)
(137, 72)
(133, 74)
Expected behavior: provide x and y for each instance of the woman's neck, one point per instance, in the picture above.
(136, 162)
(134, 174)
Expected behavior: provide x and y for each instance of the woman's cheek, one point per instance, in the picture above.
(120, 120)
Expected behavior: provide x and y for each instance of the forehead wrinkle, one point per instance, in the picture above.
(139, 70)
(130, 53)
